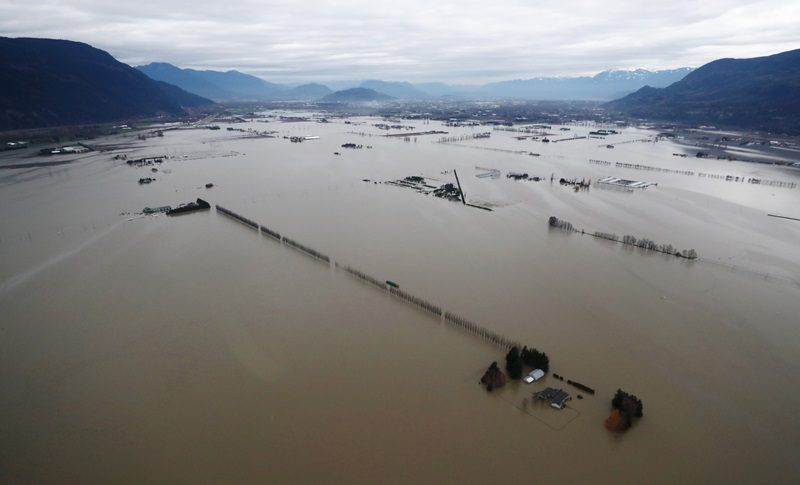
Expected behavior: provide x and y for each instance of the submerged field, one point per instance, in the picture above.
(193, 349)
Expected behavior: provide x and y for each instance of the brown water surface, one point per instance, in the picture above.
(192, 349)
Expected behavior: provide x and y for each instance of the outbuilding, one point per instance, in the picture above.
(533, 376)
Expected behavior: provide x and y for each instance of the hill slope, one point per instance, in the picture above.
(758, 93)
(185, 79)
(401, 90)
(47, 82)
(216, 85)
(307, 92)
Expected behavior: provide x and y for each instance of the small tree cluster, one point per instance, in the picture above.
(559, 223)
(493, 377)
(625, 407)
(645, 243)
(514, 363)
(535, 358)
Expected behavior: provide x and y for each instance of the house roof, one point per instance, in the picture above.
(555, 396)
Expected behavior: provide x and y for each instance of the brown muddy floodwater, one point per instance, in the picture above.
(191, 349)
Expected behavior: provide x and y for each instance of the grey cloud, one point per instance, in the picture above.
(464, 42)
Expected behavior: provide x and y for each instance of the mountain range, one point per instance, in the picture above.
(46, 82)
(757, 93)
(236, 86)
(604, 86)
(230, 85)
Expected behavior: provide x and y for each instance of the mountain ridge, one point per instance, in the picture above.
(603, 86)
(228, 85)
(756, 93)
(52, 82)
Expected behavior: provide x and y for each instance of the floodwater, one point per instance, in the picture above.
(192, 349)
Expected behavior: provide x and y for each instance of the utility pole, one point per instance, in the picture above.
(463, 200)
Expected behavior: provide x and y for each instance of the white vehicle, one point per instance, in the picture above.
(534, 375)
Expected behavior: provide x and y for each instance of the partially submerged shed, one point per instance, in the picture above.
(556, 397)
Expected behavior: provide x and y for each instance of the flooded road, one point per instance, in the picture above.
(193, 349)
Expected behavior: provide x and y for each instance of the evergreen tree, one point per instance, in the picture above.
(513, 363)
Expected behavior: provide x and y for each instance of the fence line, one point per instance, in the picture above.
(237, 217)
(363, 277)
(428, 307)
(409, 298)
(691, 173)
(305, 249)
(269, 232)
(479, 331)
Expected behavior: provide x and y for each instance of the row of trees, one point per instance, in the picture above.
(651, 245)
(560, 223)
(642, 242)
(646, 243)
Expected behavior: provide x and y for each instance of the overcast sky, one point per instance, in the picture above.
(461, 41)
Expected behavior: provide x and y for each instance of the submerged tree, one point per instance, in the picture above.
(625, 407)
(534, 358)
(559, 223)
(493, 377)
(514, 363)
